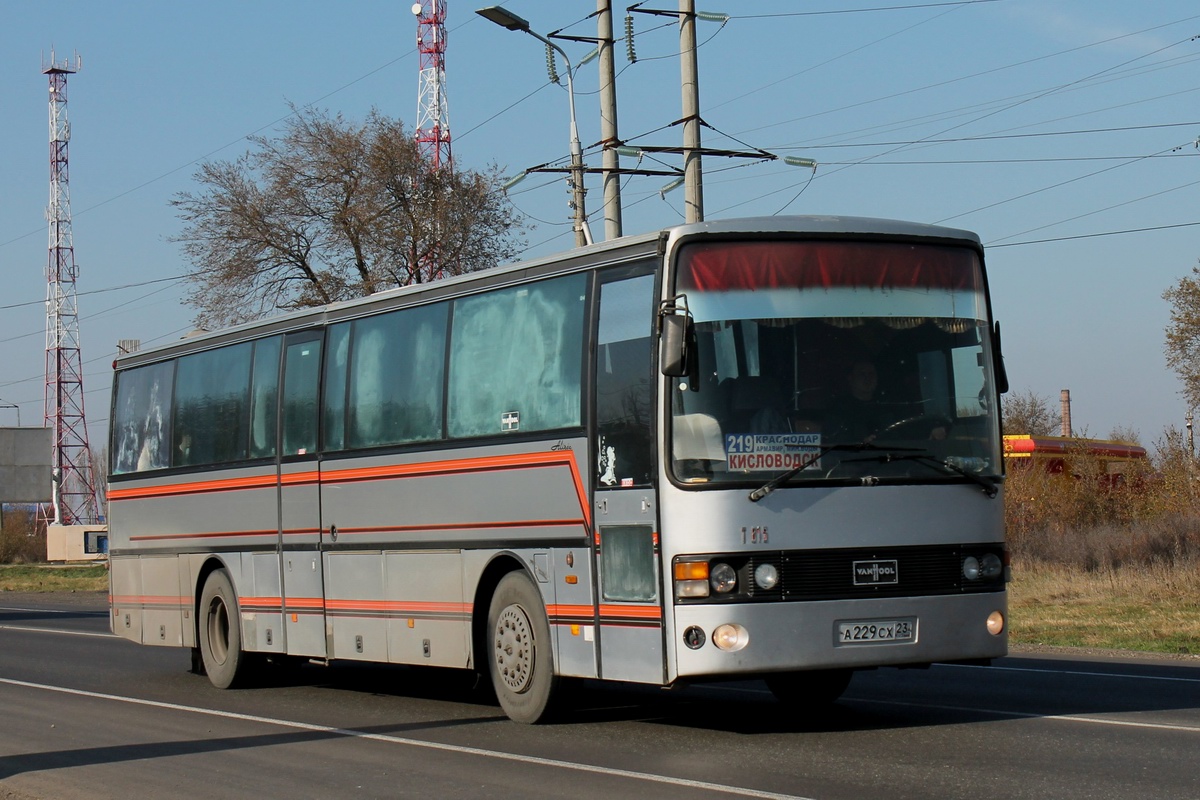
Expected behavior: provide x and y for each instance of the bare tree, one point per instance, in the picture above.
(1183, 334)
(1034, 414)
(332, 210)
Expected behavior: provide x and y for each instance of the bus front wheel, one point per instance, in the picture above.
(521, 660)
(221, 633)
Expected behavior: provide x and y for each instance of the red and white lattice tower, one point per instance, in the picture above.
(433, 112)
(74, 490)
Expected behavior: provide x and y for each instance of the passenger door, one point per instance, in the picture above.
(300, 496)
(629, 602)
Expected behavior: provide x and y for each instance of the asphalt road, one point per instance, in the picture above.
(86, 715)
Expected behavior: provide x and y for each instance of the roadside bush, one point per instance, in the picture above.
(1083, 518)
(22, 540)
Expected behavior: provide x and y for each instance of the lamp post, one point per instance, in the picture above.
(512, 22)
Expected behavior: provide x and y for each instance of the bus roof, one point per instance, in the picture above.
(617, 251)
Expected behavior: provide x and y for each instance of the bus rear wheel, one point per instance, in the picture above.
(809, 691)
(220, 632)
(521, 661)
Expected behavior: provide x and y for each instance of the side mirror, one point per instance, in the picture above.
(673, 346)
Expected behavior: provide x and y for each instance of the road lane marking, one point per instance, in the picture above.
(57, 630)
(447, 748)
(999, 712)
(76, 612)
(1029, 715)
(1077, 673)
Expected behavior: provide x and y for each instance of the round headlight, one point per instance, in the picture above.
(766, 576)
(971, 568)
(990, 566)
(730, 637)
(723, 578)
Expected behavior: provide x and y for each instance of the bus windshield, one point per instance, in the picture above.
(835, 360)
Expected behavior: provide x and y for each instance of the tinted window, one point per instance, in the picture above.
(302, 368)
(516, 359)
(335, 386)
(141, 419)
(212, 396)
(264, 398)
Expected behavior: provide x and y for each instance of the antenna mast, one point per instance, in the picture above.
(74, 489)
(433, 112)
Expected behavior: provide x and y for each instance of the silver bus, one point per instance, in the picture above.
(761, 448)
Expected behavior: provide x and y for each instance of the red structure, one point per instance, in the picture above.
(433, 112)
(1052, 452)
(74, 487)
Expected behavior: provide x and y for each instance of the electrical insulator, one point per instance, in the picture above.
(629, 39)
(551, 67)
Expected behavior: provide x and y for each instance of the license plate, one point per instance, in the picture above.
(872, 631)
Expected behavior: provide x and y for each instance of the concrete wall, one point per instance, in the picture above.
(70, 542)
(25, 465)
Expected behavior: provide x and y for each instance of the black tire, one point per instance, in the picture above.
(809, 692)
(520, 657)
(220, 633)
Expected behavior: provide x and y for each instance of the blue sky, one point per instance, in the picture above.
(1050, 127)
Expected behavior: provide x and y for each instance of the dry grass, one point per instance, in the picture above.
(1155, 609)
(46, 578)
(1103, 564)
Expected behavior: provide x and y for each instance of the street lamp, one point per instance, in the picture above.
(506, 19)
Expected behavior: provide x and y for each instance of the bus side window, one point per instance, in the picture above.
(302, 367)
(264, 398)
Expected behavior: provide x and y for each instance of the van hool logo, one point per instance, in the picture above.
(876, 572)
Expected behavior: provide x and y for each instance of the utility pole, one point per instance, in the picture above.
(689, 72)
(608, 121)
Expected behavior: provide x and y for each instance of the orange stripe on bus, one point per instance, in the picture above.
(631, 612)
(569, 611)
(554, 458)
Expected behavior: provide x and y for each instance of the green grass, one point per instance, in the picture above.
(44, 578)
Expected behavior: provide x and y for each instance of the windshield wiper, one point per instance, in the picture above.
(857, 447)
(988, 486)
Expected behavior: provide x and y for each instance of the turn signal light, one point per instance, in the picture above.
(691, 570)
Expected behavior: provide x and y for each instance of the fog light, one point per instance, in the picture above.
(730, 637)
(723, 578)
(766, 576)
(971, 568)
(995, 623)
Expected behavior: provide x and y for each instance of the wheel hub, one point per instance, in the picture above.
(514, 649)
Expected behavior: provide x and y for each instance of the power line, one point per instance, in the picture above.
(1095, 235)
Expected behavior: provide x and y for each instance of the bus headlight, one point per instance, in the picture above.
(766, 576)
(990, 566)
(970, 568)
(723, 579)
(730, 637)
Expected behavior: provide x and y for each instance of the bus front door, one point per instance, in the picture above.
(629, 602)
